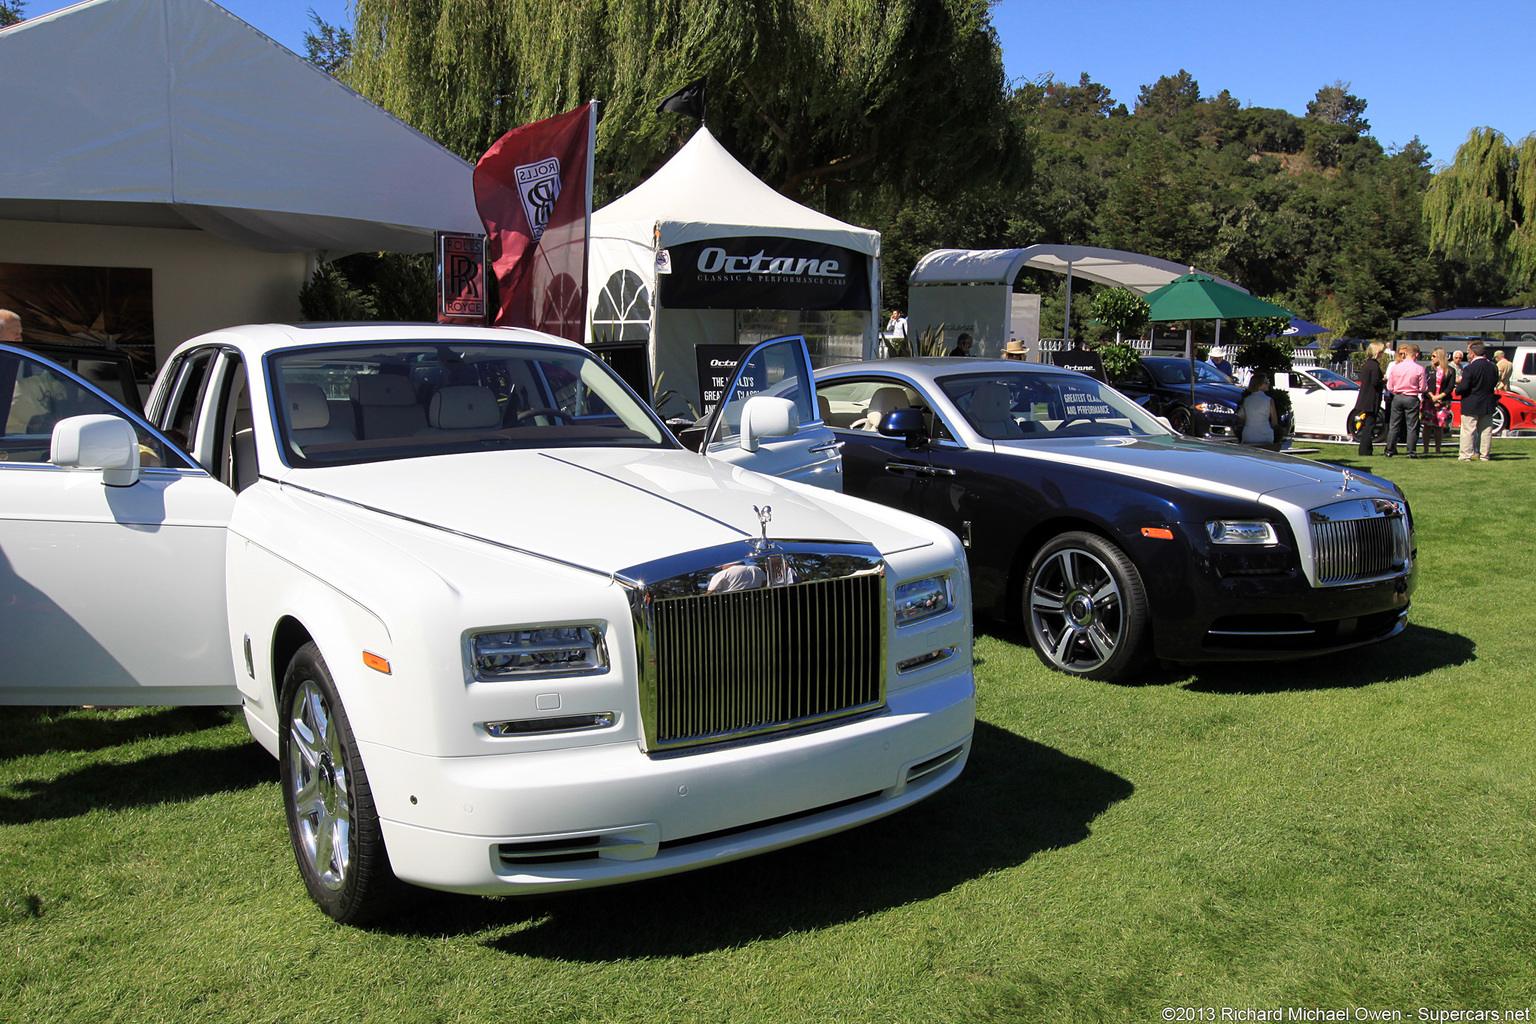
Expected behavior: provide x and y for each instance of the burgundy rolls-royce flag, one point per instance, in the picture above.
(533, 189)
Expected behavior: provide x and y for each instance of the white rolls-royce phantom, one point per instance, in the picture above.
(501, 631)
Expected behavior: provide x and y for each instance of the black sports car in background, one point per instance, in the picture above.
(1111, 538)
(1161, 385)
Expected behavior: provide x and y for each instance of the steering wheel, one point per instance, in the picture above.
(542, 410)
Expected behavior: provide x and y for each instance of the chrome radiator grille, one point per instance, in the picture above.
(729, 665)
(1360, 540)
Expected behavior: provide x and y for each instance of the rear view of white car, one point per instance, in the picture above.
(501, 631)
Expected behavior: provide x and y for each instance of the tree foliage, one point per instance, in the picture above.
(822, 100)
(1482, 209)
(12, 11)
(328, 47)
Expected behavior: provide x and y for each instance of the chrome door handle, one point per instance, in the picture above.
(915, 468)
(830, 446)
(936, 471)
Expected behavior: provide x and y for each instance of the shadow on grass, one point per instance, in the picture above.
(157, 779)
(26, 731)
(1015, 798)
(1418, 651)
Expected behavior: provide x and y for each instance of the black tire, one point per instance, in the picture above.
(332, 823)
(1085, 609)
(1182, 421)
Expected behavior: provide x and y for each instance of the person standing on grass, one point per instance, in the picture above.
(1505, 368)
(1477, 404)
(1407, 382)
(1368, 404)
(1436, 412)
(1258, 422)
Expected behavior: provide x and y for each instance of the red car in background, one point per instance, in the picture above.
(1513, 412)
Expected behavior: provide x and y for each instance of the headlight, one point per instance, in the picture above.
(923, 599)
(1218, 407)
(1241, 531)
(537, 653)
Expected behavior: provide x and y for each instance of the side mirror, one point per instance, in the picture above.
(764, 416)
(107, 443)
(907, 424)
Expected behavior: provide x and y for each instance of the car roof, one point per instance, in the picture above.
(932, 367)
(259, 339)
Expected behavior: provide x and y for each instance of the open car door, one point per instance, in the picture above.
(803, 448)
(111, 552)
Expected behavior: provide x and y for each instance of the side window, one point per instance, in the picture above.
(34, 397)
(179, 418)
(1530, 363)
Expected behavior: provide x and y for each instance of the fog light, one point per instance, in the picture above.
(565, 723)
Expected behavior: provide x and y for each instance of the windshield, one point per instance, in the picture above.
(1037, 406)
(1334, 381)
(1173, 372)
(400, 400)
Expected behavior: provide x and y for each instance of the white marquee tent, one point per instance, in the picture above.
(703, 195)
(171, 134)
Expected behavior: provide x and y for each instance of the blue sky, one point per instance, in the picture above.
(1431, 68)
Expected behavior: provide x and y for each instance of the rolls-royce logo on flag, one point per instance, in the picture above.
(539, 186)
(533, 190)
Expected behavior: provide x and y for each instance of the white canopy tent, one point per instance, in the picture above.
(170, 133)
(703, 196)
(973, 287)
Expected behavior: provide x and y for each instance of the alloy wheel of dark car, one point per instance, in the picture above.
(332, 822)
(1085, 608)
(1181, 420)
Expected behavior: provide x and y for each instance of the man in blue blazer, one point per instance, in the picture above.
(1477, 402)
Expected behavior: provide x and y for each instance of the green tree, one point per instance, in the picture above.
(1482, 208)
(1334, 105)
(328, 47)
(12, 11)
(823, 101)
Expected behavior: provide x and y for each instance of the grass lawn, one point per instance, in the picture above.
(1355, 832)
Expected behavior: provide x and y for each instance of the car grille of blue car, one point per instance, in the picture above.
(1359, 540)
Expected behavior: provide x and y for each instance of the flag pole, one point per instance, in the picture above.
(586, 264)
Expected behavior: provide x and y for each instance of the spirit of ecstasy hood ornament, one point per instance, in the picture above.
(1349, 478)
(764, 517)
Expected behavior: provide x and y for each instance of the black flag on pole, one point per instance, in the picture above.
(688, 101)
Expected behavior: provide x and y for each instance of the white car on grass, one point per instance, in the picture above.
(1321, 401)
(503, 633)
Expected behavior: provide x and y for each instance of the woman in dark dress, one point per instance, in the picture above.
(1369, 402)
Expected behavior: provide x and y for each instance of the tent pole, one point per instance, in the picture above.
(1066, 321)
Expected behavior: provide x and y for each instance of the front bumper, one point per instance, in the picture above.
(1199, 614)
(595, 815)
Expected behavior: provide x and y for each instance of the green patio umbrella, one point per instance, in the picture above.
(1197, 296)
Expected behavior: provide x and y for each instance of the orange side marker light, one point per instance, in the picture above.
(1157, 532)
(375, 662)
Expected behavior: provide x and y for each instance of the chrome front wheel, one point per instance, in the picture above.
(318, 787)
(1086, 609)
(332, 823)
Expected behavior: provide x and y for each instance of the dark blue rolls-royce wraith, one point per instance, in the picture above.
(1112, 538)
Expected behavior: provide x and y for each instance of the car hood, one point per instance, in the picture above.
(1209, 466)
(602, 509)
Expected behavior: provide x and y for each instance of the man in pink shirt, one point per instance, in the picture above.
(1407, 381)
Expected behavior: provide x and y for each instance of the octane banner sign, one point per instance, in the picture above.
(762, 273)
